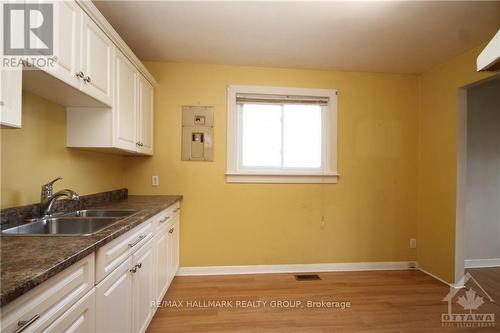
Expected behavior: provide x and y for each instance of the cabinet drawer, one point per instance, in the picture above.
(175, 208)
(48, 301)
(80, 318)
(166, 216)
(114, 253)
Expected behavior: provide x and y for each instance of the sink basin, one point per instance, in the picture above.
(101, 213)
(61, 226)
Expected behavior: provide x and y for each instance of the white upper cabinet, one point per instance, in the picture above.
(10, 97)
(145, 117)
(96, 61)
(67, 25)
(127, 127)
(107, 91)
(125, 105)
(99, 65)
(81, 65)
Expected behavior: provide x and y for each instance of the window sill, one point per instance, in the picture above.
(239, 177)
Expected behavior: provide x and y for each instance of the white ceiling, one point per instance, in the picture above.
(394, 37)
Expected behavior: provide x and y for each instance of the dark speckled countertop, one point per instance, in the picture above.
(27, 261)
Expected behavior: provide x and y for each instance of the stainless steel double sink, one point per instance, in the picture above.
(77, 223)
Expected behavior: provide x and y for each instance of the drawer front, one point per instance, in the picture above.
(48, 301)
(175, 208)
(114, 253)
(166, 216)
(80, 318)
(161, 219)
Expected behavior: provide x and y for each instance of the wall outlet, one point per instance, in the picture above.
(413, 243)
(155, 180)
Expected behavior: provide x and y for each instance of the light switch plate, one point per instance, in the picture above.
(155, 180)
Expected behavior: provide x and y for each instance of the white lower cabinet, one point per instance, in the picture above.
(162, 242)
(166, 250)
(131, 273)
(143, 287)
(114, 300)
(173, 249)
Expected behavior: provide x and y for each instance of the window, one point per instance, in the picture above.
(281, 135)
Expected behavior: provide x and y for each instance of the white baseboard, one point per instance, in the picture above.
(297, 268)
(480, 263)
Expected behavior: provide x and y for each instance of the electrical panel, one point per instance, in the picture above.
(197, 133)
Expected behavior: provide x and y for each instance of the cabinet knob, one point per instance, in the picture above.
(133, 270)
(87, 79)
(171, 230)
(80, 75)
(139, 265)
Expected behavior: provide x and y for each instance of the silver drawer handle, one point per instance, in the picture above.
(23, 324)
(133, 270)
(87, 79)
(141, 237)
(171, 230)
(139, 265)
(164, 219)
(80, 75)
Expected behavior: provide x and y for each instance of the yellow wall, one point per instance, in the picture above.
(370, 213)
(37, 153)
(397, 148)
(438, 160)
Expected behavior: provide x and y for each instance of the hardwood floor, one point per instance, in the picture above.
(489, 279)
(381, 301)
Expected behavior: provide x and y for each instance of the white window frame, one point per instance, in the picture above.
(328, 172)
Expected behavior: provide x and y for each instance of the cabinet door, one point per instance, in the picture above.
(174, 248)
(162, 263)
(125, 105)
(145, 111)
(10, 97)
(114, 300)
(143, 287)
(96, 61)
(80, 318)
(67, 27)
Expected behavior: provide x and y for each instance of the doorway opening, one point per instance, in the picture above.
(478, 184)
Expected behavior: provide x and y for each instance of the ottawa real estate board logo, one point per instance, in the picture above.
(464, 304)
(28, 34)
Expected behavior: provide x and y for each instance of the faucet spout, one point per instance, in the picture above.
(47, 204)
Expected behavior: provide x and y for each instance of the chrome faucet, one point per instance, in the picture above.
(48, 197)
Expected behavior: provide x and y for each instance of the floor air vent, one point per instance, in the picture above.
(307, 277)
